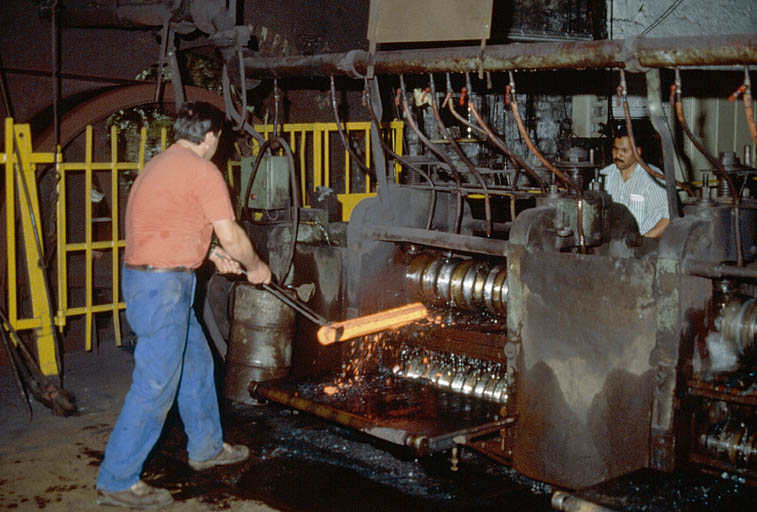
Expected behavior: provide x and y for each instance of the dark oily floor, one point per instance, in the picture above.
(298, 463)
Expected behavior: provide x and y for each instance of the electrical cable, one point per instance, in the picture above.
(662, 17)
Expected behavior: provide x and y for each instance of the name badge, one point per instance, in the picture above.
(637, 197)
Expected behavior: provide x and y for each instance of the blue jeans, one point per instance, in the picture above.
(171, 355)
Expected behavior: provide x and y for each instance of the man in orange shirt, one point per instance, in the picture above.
(175, 204)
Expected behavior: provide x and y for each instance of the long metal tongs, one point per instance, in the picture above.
(280, 293)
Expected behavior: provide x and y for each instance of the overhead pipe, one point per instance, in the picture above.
(633, 54)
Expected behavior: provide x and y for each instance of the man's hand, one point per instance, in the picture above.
(261, 274)
(224, 263)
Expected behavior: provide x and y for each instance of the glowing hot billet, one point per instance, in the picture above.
(370, 324)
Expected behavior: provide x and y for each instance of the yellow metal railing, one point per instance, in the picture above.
(21, 190)
(319, 162)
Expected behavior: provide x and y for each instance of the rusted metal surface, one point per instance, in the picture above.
(466, 340)
(633, 54)
(400, 411)
(260, 342)
(587, 328)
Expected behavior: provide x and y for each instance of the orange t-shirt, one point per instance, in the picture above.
(171, 208)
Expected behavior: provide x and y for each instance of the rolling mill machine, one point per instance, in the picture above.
(557, 339)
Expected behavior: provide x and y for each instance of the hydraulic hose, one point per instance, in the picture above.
(456, 148)
(343, 137)
(270, 144)
(455, 113)
(717, 165)
(510, 98)
(499, 143)
(232, 113)
(746, 91)
(623, 92)
(440, 154)
(388, 149)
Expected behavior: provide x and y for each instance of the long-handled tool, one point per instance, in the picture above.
(332, 332)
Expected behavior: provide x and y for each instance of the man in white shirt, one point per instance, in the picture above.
(629, 184)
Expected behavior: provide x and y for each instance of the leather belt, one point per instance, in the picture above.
(149, 268)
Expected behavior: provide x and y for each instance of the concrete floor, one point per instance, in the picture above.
(49, 462)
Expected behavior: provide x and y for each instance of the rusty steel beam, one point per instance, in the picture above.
(634, 54)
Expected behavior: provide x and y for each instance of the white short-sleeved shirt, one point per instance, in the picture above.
(642, 194)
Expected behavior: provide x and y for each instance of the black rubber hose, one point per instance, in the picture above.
(440, 154)
(343, 137)
(456, 148)
(269, 144)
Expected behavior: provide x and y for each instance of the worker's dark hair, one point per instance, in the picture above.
(195, 119)
(620, 130)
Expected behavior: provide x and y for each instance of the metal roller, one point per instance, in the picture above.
(738, 324)
(448, 373)
(462, 283)
(495, 290)
(733, 441)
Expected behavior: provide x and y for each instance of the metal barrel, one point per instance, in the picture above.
(260, 341)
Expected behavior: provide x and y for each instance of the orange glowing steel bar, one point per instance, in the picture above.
(369, 324)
